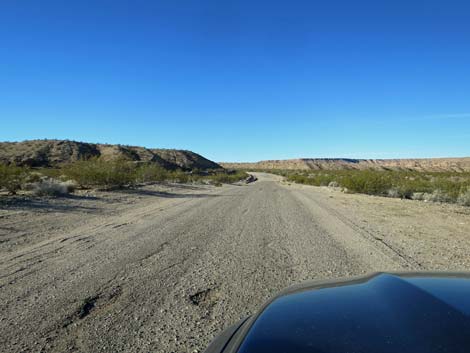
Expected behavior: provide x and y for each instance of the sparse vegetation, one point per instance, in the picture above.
(103, 174)
(119, 173)
(227, 178)
(464, 198)
(151, 173)
(97, 172)
(452, 187)
(12, 178)
(51, 187)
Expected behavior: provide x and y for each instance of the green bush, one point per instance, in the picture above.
(96, 172)
(464, 198)
(179, 176)
(368, 182)
(151, 173)
(12, 177)
(53, 173)
(102, 174)
(227, 178)
(436, 186)
(109, 174)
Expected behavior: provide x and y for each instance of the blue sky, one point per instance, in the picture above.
(240, 80)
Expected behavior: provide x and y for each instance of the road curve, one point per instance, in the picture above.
(168, 276)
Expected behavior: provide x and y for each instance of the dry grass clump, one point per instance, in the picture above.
(51, 187)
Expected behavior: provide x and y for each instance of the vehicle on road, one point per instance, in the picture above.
(381, 312)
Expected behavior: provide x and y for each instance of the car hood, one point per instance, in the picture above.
(412, 312)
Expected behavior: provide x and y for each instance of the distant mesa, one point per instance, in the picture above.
(423, 164)
(52, 153)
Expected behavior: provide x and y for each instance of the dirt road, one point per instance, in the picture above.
(165, 269)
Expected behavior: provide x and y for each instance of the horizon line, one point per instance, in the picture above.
(343, 158)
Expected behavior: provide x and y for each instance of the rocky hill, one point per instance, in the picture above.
(50, 153)
(425, 164)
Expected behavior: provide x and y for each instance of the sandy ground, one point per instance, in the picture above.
(165, 268)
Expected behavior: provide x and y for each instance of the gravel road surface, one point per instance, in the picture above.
(166, 270)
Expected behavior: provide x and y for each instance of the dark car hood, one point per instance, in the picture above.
(378, 313)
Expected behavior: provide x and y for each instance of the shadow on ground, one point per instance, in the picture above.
(57, 204)
(165, 194)
(68, 204)
(187, 187)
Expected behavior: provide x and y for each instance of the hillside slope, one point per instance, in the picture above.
(49, 153)
(425, 164)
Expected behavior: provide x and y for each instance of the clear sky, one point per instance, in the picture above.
(240, 80)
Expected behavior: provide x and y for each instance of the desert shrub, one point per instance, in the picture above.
(464, 198)
(429, 186)
(12, 178)
(367, 182)
(227, 178)
(53, 173)
(179, 176)
(420, 196)
(34, 177)
(306, 179)
(393, 192)
(99, 173)
(51, 187)
(151, 173)
(438, 196)
(107, 174)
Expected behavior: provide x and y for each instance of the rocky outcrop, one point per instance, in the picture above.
(425, 164)
(51, 153)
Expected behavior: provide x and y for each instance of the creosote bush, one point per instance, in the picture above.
(151, 173)
(227, 178)
(452, 187)
(464, 198)
(12, 178)
(96, 172)
(119, 173)
(103, 174)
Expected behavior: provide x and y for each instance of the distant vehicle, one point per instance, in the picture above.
(393, 313)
